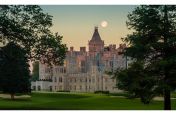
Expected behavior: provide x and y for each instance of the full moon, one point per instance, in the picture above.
(104, 24)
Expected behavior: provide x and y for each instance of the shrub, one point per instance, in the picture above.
(101, 92)
(63, 91)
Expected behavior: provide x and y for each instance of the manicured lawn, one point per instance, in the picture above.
(69, 101)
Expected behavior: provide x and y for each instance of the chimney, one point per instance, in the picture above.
(82, 49)
(71, 48)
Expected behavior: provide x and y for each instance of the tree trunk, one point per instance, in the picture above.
(167, 100)
(12, 96)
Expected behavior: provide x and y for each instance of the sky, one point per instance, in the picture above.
(76, 22)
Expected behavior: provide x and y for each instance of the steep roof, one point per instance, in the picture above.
(96, 37)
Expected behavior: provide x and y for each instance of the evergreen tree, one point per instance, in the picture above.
(152, 46)
(14, 72)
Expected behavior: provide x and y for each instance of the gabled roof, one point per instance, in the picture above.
(96, 37)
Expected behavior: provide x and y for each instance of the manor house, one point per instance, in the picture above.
(84, 71)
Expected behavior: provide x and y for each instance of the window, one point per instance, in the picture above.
(61, 70)
(64, 70)
(80, 80)
(80, 87)
(50, 87)
(39, 88)
(55, 79)
(60, 79)
(111, 63)
(89, 80)
(75, 87)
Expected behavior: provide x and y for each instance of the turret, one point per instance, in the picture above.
(96, 45)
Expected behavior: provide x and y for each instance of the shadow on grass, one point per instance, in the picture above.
(60, 95)
(17, 99)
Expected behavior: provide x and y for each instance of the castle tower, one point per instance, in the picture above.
(96, 45)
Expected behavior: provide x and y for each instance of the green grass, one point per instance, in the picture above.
(69, 101)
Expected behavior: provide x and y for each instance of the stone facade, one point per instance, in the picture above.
(84, 71)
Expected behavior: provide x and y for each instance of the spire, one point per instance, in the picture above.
(96, 36)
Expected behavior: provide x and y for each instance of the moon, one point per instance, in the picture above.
(104, 24)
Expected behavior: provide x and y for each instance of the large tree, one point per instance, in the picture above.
(14, 70)
(29, 26)
(152, 46)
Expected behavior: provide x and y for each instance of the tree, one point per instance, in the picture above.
(35, 71)
(152, 46)
(29, 27)
(14, 71)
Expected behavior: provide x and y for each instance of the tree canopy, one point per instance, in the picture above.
(14, 70)
(29, 26)
(152, 46)
(26, 35)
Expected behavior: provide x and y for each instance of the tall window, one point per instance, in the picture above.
(89, 80)
(60, 79)
(86, 79)
(39, 88)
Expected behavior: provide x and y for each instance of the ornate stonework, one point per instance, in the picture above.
(84, 71)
